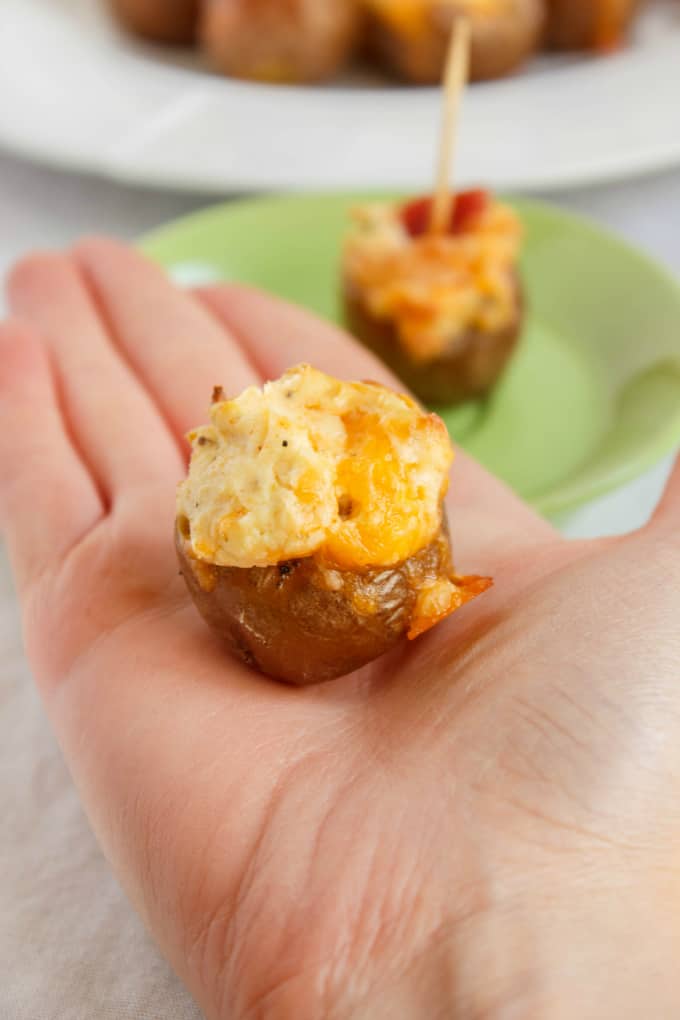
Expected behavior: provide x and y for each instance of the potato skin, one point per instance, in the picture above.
(466, 373)
(288, 622)
(167, 21)
(280, 41)
(499, 45)
(576, 25)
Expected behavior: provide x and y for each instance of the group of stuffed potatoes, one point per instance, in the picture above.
(297, 41)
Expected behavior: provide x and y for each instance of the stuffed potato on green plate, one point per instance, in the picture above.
(592, 396)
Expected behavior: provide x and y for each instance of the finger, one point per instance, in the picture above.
(47, 498)
(667, 515)
(116, 425)
(170, 340)
(276, 335)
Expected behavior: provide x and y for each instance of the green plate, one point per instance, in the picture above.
(592, 397)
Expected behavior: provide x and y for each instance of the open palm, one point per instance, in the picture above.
(482, 823)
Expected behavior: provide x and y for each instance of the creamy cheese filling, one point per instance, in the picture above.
(351, 473)
(433, 289)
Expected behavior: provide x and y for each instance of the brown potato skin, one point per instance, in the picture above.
(166, 21)
(573, 24)
(280, 41)
(468, 372)
(288, 623)
(499, 46)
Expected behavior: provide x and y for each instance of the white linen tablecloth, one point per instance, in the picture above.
(70, 946)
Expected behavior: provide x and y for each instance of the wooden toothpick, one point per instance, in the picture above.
(455, 79)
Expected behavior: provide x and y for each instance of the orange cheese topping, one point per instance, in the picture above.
(434, 289)
(352, 473)
(383, 492)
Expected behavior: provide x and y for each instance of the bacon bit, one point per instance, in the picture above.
(469, 207)
(430, 611)
(416, 216)
(467, 210)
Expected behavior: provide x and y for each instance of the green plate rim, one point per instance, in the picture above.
(569, 494)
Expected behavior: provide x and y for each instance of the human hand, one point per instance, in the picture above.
(485, 823)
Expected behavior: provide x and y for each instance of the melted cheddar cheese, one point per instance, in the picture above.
(433, 289)
(351, 473)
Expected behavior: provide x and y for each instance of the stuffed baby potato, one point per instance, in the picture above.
(445, 311)
(589, 24)
(168, 21)
(280, 41)
(412, 36)
(310, 529)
